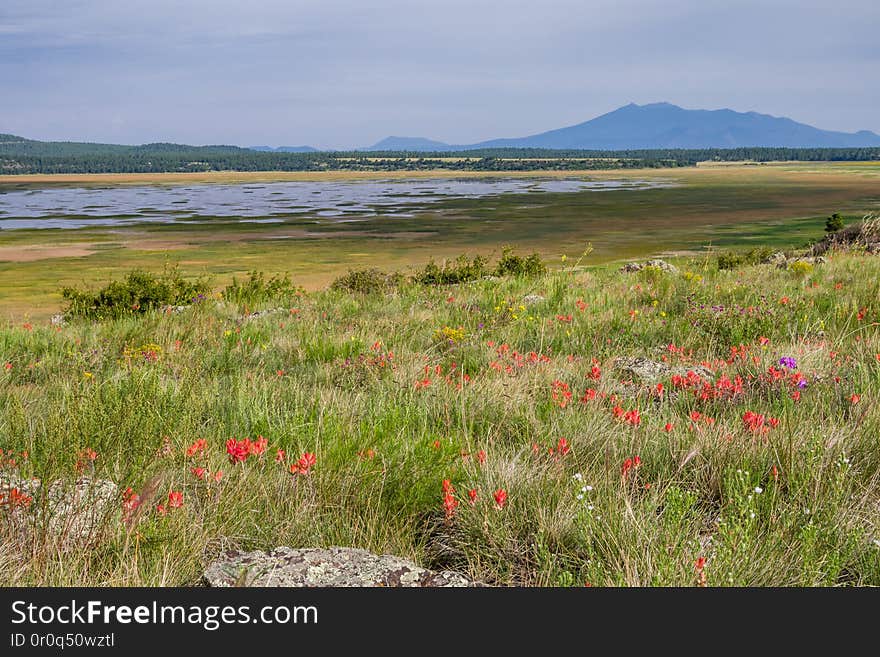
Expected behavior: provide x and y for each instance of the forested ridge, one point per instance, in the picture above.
(19, 156)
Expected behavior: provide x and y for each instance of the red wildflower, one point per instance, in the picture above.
(699, 564)
(197, 447)
(199, 472)
(258, 446)
(238, 450)
(130, 502)
(481, 456)
(563, 447)
(595, 372)
(280, 455)
(632, 417)
(7, 366)
(629, 464)
(304, 464)
(218, 475)
(669, 427)
(500, 496)
(175, 499)
(448, 487)
(472, 496)
(855, 399)
(15, 498)
(449, 505)
(589, 395)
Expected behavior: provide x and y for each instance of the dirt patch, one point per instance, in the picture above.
(40, 252)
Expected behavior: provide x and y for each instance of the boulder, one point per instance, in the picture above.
(650, 371)
(659, 264)
(812, 260)
(318, 567)
(77, 511)
(778, 258)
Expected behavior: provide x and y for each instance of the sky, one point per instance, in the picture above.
(344, 74)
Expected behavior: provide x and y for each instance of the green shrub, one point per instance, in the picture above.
(734, 259)
(511, 264)
(138, 292)
(367, 281)
(833, 223)
(460, 270)
(257, 289)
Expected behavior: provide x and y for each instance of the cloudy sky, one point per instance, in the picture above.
(345, 73)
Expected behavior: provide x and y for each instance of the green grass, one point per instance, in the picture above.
(391, 405)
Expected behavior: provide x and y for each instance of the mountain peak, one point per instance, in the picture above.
(662, 125)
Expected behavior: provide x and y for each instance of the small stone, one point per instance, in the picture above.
(532, 299)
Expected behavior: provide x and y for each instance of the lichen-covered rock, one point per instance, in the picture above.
(643, 369)
(646, 370)
(532, 299)
(77, 512)
(811, 260)
(659, 264)
(263, 313)
(777, 258)
(168, 310)
(317, 567)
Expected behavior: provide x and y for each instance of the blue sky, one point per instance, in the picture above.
(339, 74)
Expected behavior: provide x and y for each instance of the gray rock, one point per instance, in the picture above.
(778, 258)
(317, 567)
(167, 310)
(650, 371)
(812, 260)
(531, 299)
(76, 512)
(643, 369)
(58, 320)
(659, 264)
(263, 313)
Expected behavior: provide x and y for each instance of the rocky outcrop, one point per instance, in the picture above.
(73, 515)
(810, 260)
(77, 511)
(650, 371)
(316, 567)
(659, 264)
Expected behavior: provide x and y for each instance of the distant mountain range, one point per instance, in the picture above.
(661, 125)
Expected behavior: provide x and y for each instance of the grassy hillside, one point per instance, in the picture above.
(488, 427)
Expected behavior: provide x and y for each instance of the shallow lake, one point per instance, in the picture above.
(80, 207)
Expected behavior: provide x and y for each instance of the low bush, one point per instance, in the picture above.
(511, 264)
(258, 289)
(367, 281)
(138, 292)
(460, 270)
(734, 259)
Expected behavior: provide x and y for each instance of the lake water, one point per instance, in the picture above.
(79, 207)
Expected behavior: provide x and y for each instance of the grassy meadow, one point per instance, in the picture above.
(487, 427)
